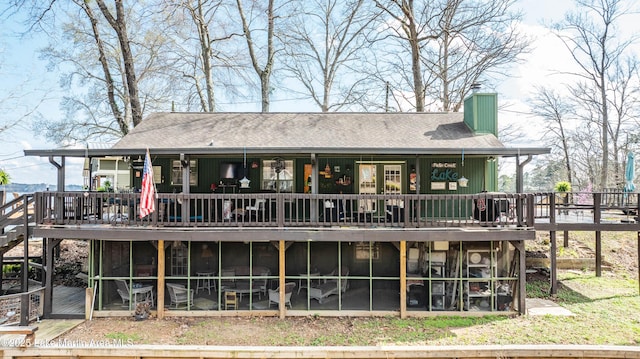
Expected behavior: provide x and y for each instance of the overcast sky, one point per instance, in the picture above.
(22, 72)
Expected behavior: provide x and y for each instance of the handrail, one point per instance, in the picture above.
(13, 304)
(15, 207)
(15, 216)
(281, 210)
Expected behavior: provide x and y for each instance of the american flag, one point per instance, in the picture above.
(148, 196)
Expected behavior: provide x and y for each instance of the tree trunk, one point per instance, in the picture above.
(263, 73)
(412, 33)
(115, 110)
(119, 24)
(605, 134)
(205, 44)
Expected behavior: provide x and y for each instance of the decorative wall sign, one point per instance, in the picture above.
(438, 185)
(444, 171)
(157, 174)
(453, 186)
(444, 165)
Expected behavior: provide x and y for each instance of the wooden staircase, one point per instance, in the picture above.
(16, 227)
(16, 221)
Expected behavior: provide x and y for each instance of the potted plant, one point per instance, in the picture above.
(143, 310)
(563, 187)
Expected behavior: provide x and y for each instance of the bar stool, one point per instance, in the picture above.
(204, 281)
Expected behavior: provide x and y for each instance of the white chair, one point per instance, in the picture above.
(179, 294)
(274, 294)
(228, 281)
(123, 290)
(255, 211)
(261, 284)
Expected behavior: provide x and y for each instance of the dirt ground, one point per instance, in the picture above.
(619, 251)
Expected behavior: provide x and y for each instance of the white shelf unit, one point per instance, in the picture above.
(480, 294)
(437, 265)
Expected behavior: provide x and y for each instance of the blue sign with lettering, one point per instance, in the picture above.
(446, 174)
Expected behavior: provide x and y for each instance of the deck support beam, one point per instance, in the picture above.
(282, 306)
(522, 277)
(553, 276)
(403, 279)
(161, 268)
(553, 272)
(597, 214)
(50, 245)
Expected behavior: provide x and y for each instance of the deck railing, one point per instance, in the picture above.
(13, 305)
(322, 210)
(286, 210)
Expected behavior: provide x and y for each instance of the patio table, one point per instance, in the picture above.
(145, 293)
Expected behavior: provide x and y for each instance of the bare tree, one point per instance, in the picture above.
(588, 33)
(555, 111)
(119, 25)
(476, 41)
(110, 85)
(325, 43)
(197, 58)
(409, 28)
(265, 69)
(456, 42)
(624, 106)
(82, 49)
(586, 153)
(86, 50)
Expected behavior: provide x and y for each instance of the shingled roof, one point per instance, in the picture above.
(306, 132)
(219, 133)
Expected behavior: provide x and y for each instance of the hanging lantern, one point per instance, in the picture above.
(462, 181)
(244, 182)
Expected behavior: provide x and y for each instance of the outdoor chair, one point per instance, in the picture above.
(261, 284)
(274, 294)
(330, 286)
(230, 300)
(123, 290)
(256, 211)
(227, 280)
(179, 294)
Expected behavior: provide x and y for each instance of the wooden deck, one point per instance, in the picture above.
(68, 300)
(48, 331)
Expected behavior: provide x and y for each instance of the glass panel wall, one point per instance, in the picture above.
(203, 275)
(461, 276)
(320, 276)
(385, 276)
(179, 290)
(264, 278)
(127, 272)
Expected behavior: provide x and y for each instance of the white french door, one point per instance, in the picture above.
(367, 185)
(392, 183)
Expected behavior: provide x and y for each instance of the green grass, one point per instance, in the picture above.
(123, 337)
(605, 312)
